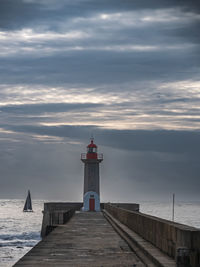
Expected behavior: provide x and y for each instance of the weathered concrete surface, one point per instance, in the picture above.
(165, 235)
(86, 240)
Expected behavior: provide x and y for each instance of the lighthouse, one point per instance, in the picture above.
(91, 160)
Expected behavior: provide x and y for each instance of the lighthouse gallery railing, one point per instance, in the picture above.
(84, 156)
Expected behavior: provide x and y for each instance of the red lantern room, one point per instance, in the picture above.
(91, 150)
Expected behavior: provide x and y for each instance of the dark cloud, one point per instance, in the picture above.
(17, 14)
(103, 57)
(102, 68)
(134, 140)
(20, 13)
(83, 65)
(32, 109)
(187, 33)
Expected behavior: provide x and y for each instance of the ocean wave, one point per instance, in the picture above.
(19, 243)
(22, 236)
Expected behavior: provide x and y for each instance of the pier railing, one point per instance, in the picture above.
(99, 156)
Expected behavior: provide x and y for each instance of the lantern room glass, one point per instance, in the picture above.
(92, 150)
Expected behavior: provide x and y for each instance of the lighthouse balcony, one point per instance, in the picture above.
(99, 156)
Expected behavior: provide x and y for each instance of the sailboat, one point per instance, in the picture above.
(28, 204)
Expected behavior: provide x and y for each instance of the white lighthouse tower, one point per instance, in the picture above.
(91, 160)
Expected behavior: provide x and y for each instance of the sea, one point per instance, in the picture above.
(20, 231)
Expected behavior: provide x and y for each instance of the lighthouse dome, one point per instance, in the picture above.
(92, 145)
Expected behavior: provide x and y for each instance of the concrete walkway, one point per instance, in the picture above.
(86, 240)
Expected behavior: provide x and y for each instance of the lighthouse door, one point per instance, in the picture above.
(92, 204)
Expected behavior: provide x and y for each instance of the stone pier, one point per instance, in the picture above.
(119, 235)
(86, 240)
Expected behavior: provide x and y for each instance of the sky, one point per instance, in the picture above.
(126, 72)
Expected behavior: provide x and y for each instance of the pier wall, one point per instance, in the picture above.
(56, 213)
(165, 235)
(126, 206)
(53, 206)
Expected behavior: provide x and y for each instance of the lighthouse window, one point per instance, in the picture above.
(92, 149)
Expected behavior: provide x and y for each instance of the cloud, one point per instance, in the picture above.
(134, 140)
(32, 109)
(37, 12)
(172, 106)
(126, 71)
(120, 44)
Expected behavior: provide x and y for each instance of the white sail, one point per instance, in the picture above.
(28, 204)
